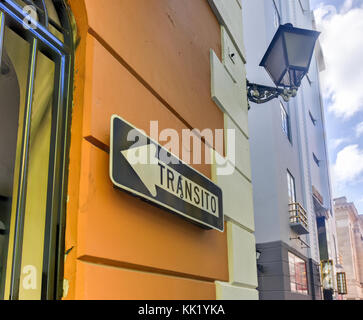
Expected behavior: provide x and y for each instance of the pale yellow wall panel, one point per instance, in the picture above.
(226, 291)
(229, 14)
(227, 94)
(241, 146)
(241, 256)
(237, 194)
(231, 59)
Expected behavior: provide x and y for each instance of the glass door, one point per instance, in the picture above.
(13, 85)
(35, 92)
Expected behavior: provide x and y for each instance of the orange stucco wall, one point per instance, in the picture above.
(143, 60)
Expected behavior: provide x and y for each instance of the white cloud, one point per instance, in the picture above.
(347, 5)
(348, 166)
(359, 129)
(335, 143)
(342, 44)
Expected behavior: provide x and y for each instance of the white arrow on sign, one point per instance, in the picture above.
(146, 165)
(153, 172)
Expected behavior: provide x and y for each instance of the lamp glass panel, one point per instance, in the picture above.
(286, 80)
(299, 49)
(275, 63)
(298, 76)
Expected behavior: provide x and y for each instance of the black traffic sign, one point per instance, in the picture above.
(144, 168)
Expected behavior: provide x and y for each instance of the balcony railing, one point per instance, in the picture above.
(298, 218)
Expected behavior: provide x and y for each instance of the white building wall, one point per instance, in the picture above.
(271, 153)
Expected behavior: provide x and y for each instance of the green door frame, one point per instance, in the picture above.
(61, 52)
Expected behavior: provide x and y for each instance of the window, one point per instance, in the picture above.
(35, 86)
(291, 188)
(293, 205)
(298, 275)
(285, 122)
(316, 160)
(342, 283)
(313, 120)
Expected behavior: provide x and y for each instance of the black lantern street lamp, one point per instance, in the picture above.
(287, 61)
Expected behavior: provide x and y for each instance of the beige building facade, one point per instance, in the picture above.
(350, 241)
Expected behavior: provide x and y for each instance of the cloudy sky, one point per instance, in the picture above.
(341, 23)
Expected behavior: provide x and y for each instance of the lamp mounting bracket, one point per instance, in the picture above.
(261, 94)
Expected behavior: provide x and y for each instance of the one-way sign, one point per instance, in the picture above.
(144, 168)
